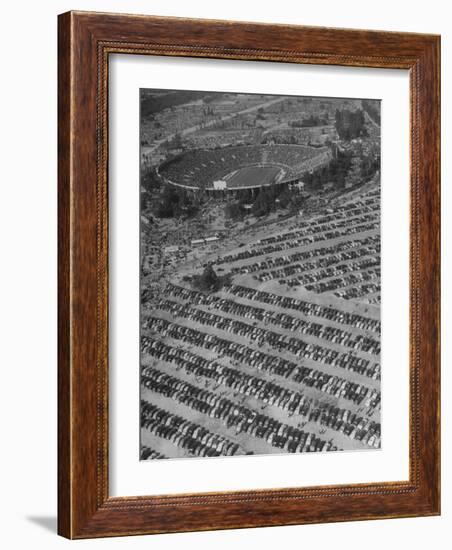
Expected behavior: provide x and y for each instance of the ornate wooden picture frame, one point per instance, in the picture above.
(86, 40)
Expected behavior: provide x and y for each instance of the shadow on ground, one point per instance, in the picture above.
(49, 523)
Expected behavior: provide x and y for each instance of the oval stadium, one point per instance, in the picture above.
(242, 167)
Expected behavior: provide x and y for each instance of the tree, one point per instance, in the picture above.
(335, 171)
(354, 174)
(150, 180)
(234, 211)
(286, 197)
(373, 109)
(264, 202)
(208, 280)
(175, 202)
(350, 124)
(168, 202)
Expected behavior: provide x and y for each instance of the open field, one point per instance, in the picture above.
(252, 176)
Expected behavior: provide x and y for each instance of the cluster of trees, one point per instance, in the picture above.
(362, 168)
(368, 166)
(291, 198)
(372, 107)
(174, 202)
(149, 179)
(263, 204)
(269, 199)
(310, 121)
(234, 210)
(209, 281)
(350, 124)
(265, 201)
(351, 166)
(335, 171)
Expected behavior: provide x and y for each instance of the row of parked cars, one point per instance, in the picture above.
(293, 403)
(277, 318)
(322, 381)
(234, 416)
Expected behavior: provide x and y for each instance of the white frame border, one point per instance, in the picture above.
(129, 476)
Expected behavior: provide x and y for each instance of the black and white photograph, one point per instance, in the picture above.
(260, 274)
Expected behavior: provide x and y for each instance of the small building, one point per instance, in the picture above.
(219, 185)
(197, 242)
(171, 249)
(212, 239)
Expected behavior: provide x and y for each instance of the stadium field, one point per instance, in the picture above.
(253, 176)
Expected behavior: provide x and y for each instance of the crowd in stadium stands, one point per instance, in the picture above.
(290, 155)
(333, 385)
(201, 166)
(185, 434)
(307, 308)
(146, 453)
(311, 163)
(292, 402)
(239, 417)
(270, 316)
